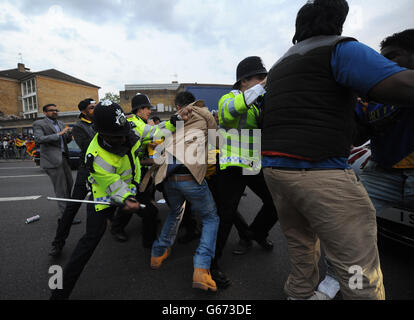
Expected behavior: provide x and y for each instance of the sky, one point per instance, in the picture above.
(111, 43)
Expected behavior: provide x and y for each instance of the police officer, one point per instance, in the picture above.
(83, 132)
(115, 173)
(141, 110)
(240, 164)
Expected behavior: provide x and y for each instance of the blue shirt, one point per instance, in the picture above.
(354, 65)
(57, 128)
(393, 147)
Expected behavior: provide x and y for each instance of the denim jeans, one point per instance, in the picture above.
(388, 188)
(202, 202)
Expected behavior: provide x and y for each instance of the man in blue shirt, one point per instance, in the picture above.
(307, 132)
(389, 175)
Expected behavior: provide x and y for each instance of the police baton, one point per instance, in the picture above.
(107, 203)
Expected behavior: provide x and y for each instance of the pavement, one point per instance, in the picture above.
(120, 271)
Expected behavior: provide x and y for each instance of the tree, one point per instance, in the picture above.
(112, 97)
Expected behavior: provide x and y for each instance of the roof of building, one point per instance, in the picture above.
(14, 74)
(169, 86)
(51, 73)
(157, 86)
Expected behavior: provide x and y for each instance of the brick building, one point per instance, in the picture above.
(23, 93)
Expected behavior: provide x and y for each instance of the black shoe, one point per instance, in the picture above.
(76, 221)
(243, 247)
(56, 251)
(120, 236)
(220, 278)
(189, 236)
(265, 244)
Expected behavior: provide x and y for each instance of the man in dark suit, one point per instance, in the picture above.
(52, 136)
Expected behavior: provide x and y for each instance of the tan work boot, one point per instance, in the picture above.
(202, 280)
(156, 262)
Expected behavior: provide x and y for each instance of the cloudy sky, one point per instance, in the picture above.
(111, 43)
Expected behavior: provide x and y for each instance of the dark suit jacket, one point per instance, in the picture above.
(50, 148)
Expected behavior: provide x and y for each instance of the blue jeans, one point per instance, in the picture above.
(388, 189)
(202, 202)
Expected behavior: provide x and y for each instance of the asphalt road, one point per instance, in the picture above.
(121, 270)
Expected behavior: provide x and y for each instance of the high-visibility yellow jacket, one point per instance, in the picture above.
(241, 145)
(148, 133)
(113, 178)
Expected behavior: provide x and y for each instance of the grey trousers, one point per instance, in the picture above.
(62, 182)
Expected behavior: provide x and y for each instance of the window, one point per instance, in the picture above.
(29, 100)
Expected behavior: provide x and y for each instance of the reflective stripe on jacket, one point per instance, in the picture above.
(241, 145)
(149, 133)
(113, 179)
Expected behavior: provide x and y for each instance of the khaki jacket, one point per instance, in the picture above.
(190, 144)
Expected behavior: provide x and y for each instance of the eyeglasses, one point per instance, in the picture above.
(52, 110)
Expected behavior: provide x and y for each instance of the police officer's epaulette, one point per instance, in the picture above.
(129, 116)
(89, 162)
(133, 125)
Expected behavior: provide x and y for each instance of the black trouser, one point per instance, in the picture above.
(231, 185)
(65, 222)
(239, 222)
(149, 219)
(95, 229)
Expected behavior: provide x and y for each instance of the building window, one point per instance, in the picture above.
(29, 98)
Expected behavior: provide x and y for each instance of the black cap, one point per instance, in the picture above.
(85, 103)
(109, 119)
(248, 67)
(140, 101)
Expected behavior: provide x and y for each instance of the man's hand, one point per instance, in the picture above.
(186, 113)
(131, 205)
(67, 129)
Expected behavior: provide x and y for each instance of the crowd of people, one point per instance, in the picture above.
(16, 146)
(307, 110)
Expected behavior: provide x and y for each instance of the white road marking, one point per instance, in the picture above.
(27, 176)
(7, 168)
(19, 198)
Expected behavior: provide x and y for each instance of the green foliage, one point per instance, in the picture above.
(112, 97)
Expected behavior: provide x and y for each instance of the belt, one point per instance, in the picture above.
(177, 178)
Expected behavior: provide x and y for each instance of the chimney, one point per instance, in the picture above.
(20, 67)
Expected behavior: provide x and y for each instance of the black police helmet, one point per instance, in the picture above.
(140, 101)
(110, 120)
(248, 67)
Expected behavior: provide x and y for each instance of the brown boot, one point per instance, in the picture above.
(156, 262)
(202, 280)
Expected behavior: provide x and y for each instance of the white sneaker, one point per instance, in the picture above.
(329, 286)
(316, 296)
